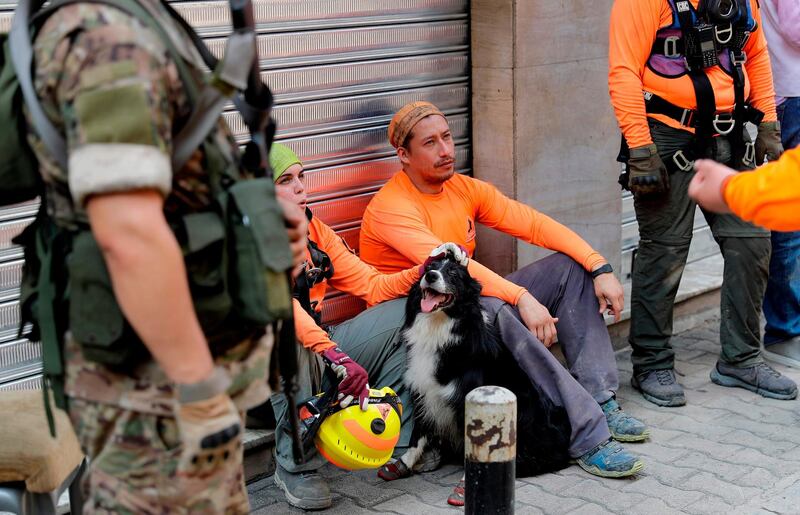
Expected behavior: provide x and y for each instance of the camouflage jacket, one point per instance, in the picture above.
(109, 85)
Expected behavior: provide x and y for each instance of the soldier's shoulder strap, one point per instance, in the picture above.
(207, 101)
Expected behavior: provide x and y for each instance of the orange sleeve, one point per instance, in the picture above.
(632, 31)
(308, 333)
(405, 231)
(521, 221)
(353, 276)
(759, 71)
(770, 195)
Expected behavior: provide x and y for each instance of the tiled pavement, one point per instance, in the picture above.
(726, 451)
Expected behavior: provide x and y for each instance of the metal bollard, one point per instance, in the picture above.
(490, 451)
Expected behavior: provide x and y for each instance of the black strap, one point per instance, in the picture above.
(655, 104)
(321, 269)
(739, 110)
(706, 108)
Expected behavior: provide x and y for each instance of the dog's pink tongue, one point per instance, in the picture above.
(430, 301)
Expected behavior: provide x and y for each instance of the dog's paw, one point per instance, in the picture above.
(393, 470)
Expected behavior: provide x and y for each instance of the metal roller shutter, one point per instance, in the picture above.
(339, 69)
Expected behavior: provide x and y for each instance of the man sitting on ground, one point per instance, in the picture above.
(427, 203)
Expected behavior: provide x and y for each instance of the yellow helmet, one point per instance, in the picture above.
(353, 439)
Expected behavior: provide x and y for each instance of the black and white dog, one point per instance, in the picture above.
(452, 350)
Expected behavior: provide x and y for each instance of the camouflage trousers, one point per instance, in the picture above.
(133, 459)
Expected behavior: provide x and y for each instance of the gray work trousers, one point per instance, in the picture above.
(567, 291)
(665, 233)
(371, 339)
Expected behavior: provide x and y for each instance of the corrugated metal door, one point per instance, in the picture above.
(339, 69)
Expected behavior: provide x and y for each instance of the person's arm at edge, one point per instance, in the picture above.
(768, 196)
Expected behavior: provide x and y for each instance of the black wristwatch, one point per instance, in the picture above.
(605, 269)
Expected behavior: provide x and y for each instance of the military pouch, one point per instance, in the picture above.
(259, 252)
(95, 318)
(203, 241)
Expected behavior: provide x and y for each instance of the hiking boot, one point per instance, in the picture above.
(623, 427)
(786, 352)
(306, 490)
(659, 387)
(610, 459)
(759, 378)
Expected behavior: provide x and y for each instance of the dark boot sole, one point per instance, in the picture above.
(733, 382)
(658, 401)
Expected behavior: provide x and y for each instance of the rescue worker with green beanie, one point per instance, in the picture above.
(685, 76)
(160, 357)
(362, 351)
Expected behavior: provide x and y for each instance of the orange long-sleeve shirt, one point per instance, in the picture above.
(770, 195)
(401, 225)
(350, 275)
(632, 32)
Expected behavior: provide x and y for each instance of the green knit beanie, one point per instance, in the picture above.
(281, 158)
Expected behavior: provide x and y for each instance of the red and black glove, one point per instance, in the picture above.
(353, 377)
(458, 252)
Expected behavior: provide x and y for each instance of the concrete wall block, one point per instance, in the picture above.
(492, 33)
(554, 31)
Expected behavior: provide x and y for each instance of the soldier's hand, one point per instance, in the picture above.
(211, 428)
(297, 229)
(649, 177)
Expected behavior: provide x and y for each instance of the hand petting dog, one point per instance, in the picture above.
(458, 252)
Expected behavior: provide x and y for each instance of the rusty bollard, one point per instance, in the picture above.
(490, 451)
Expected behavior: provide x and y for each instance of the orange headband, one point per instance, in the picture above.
(406, 118)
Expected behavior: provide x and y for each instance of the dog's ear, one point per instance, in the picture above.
(471, 287)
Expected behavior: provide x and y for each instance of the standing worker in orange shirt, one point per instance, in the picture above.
(684, 77)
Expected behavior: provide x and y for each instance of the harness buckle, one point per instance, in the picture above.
(720, 34)
(720, 120)
(749, 153)
(681, 161)
(671, 46)
(738, 58)
(687, 117)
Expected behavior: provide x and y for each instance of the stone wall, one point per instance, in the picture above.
(543, 129)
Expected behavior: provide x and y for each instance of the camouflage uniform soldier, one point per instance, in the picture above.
(164, 433)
